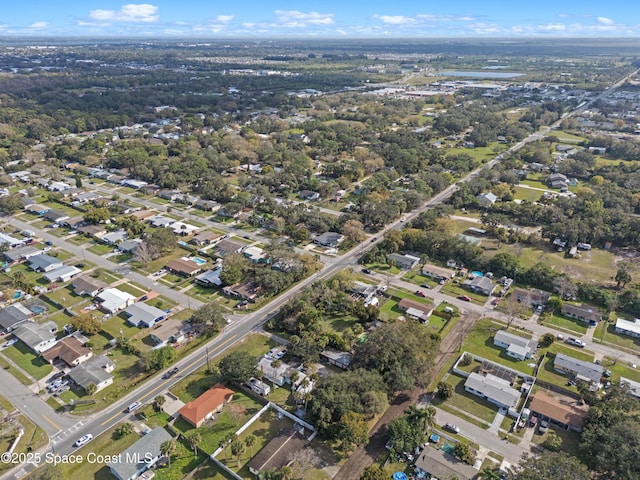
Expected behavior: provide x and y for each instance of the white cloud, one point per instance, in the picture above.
(142, 12)
(395, 19)
(446, 18)
(39, 25)
(552, 27)
(224, 18)
(605, 21)
(301, 19)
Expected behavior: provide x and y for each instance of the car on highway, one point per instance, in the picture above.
(170, 373)
(450, 427)
(466, 298)
(133, 407)
(83, 440)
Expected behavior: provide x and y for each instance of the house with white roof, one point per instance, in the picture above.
(516, 346)
(142, 315)
(38, 337)
(113, 300)
(62, 274)
(628, 327)
(493, 389)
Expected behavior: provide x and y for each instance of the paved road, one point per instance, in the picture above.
(99, 423)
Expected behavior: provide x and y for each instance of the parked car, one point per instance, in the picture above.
(543, 427)
(280, 354)
(366, 271)
(83, 440)
(450, 427)
(425, 285)
(466, 298)
(420, 293)
(495, 301)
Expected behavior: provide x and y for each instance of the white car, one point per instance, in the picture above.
(83, 440)
(10, 342)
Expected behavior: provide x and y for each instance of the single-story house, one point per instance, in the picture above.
(207, 205)
(70, 350)
(533, 297)
(44, 263)
(278, 376)
(21, 253)
(226, 246)
(88, 285)
(56, 216)
(584, 313)
(482, 285)
(171, 195)
(413, 308)
(585, 371)
(183, 266)
(339, 359)
(439, 464)
(181, 228)
(329, 239)
(141, 456)
(438, 273)
(634, 387)
(9, 240)
(129, 182)
(130, 246)
(485, 200)
(13, 315)
(560, 410)
(249, 291)
(169, 331)
(517, 347)
(405, 262)
(139, 314)
(62, 274)
(493, 389)
(628, 327)
(113, 238)
(37, 209)
(113, 300)
(38, 337)
(205, 238)
(95, 231)
(210, 278)
(309, 195)
(206, 405)
(277, 453)
(365, 291)
(255, 254)
(96, 371)
(160, 221)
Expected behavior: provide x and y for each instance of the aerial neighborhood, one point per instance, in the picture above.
(294, 261)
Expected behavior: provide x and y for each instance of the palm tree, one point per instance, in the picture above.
(237, 447)
(490, 474)
(249, 442)
(91, 389)
(158, 401)
(167, 448)
(286, 473)
(276, 364)
(193, 439)
(422, 416)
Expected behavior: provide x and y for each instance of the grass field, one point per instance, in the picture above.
(569, 324)
(606, 332)
(28, 361)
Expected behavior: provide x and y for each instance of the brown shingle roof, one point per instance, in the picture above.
(565, 412)
(68, 350)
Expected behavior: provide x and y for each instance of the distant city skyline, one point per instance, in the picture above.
(327, 19)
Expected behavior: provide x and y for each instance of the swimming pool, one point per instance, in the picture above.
(37, 309)
(198, 260)
(475, 273)
(448, 448)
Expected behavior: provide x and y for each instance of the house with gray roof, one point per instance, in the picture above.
(486, 199)
(112, 238)
(439, 464)
(44, 263)
(87, 285)
(142, 315)
(38, 337)
(584, 313)
(13, 315)
(405, 262)
(130, 246)
(97, 371)
(482, 285)
(516, 346)
(585, 371)
(210, 278)
(21, 253)
(329, 239)
(56, 216)
(493, 389)
(62, 274)
(141, 456)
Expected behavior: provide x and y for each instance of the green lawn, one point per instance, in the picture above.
(527, 194)
(455, 290)
(565, 323)
(479, 340)
(100, 249)
(570, 439)
(419, 279)
(28, 361)
(474, 406)
(606, 332)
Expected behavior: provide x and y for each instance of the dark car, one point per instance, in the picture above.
(425, 285)
(366, 270)
(171, 373)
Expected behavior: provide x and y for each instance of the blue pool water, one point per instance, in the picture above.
(475, 273)
(37, 309)
(198, 260)
(447, 447)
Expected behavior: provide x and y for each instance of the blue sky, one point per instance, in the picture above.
(328, 18)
